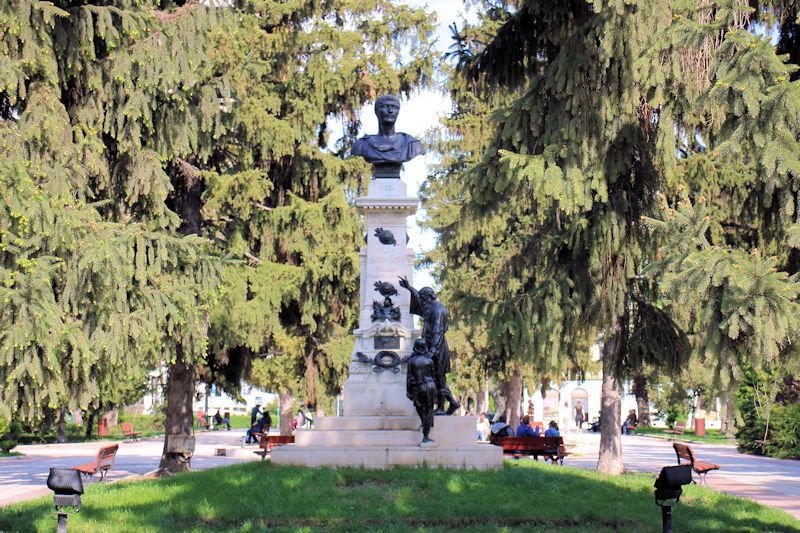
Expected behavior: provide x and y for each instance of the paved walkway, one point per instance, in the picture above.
(24, 477)
(773, 482)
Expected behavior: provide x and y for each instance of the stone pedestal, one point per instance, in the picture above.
(381, 428)
(387, 441)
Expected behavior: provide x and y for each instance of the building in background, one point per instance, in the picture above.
(217, 399)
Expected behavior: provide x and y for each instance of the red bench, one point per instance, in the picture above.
(551, 448)
(129, 433)
(702, 468)
(680, 428)
(270, 441)
(102, 463)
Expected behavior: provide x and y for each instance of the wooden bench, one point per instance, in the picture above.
(702, 468)
(129, 433)
(680, 428)
(102, 463)
(270, 441)
(551, 448)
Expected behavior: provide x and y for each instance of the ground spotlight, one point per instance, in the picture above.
(67, 485)
(668, 491)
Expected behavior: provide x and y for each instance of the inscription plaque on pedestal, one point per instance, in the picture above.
(387, 343)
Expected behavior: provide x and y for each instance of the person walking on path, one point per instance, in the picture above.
(579, 416)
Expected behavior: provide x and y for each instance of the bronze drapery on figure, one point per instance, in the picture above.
(421, 386)
(434, 318)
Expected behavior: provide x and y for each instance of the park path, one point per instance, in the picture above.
(772, 482)
(24, 477)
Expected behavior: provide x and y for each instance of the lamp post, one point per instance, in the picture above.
(668, 491)
(67, 486)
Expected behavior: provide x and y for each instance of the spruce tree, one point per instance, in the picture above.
(162, 122)
(97, 285)
(617, 100)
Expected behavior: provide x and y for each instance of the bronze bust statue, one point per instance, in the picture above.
(388, 150)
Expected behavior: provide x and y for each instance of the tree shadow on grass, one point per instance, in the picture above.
(523, 496)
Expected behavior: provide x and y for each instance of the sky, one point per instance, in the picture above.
(418, 115)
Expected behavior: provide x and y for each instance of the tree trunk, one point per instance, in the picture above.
(90, 423)
(498, 395)
(515, 396)
(642, 399)
(61, 427)
(285, 399)
(311, 378)
(728, 414)
(482, 403)
(179, 434)
(610, 459)
(178, 431)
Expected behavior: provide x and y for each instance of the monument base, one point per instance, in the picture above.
(387, 441)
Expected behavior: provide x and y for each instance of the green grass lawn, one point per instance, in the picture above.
(523, 496)
(712, 436)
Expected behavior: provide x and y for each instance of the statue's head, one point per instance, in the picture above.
(420, 346)
(426, 294)
(387, 107)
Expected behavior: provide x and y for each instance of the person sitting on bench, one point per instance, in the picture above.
(525, 429)
(501, 429)
(262, 425)
(630, 422)
(552, 431)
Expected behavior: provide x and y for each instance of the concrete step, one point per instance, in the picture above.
(473, 456)
(349, 437)
(325, 423)
(385, 430)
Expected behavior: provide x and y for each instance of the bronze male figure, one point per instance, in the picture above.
(434, 318)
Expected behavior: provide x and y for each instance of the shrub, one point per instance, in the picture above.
(9, 432)
(784, 434)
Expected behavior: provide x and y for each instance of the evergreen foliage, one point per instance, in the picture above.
(596, 108)
(746, 311)
(96, 289)
(135, 130)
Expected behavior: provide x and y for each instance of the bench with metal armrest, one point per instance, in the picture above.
(685, 453)
(680, 428)
(102, 463)
(128, 432)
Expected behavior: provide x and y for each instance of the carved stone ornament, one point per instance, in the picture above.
(385, 236)
(383, 360)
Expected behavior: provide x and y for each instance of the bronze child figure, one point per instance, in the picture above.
(421, 386)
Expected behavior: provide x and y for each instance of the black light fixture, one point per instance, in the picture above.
(668, 491)
(67, 485)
